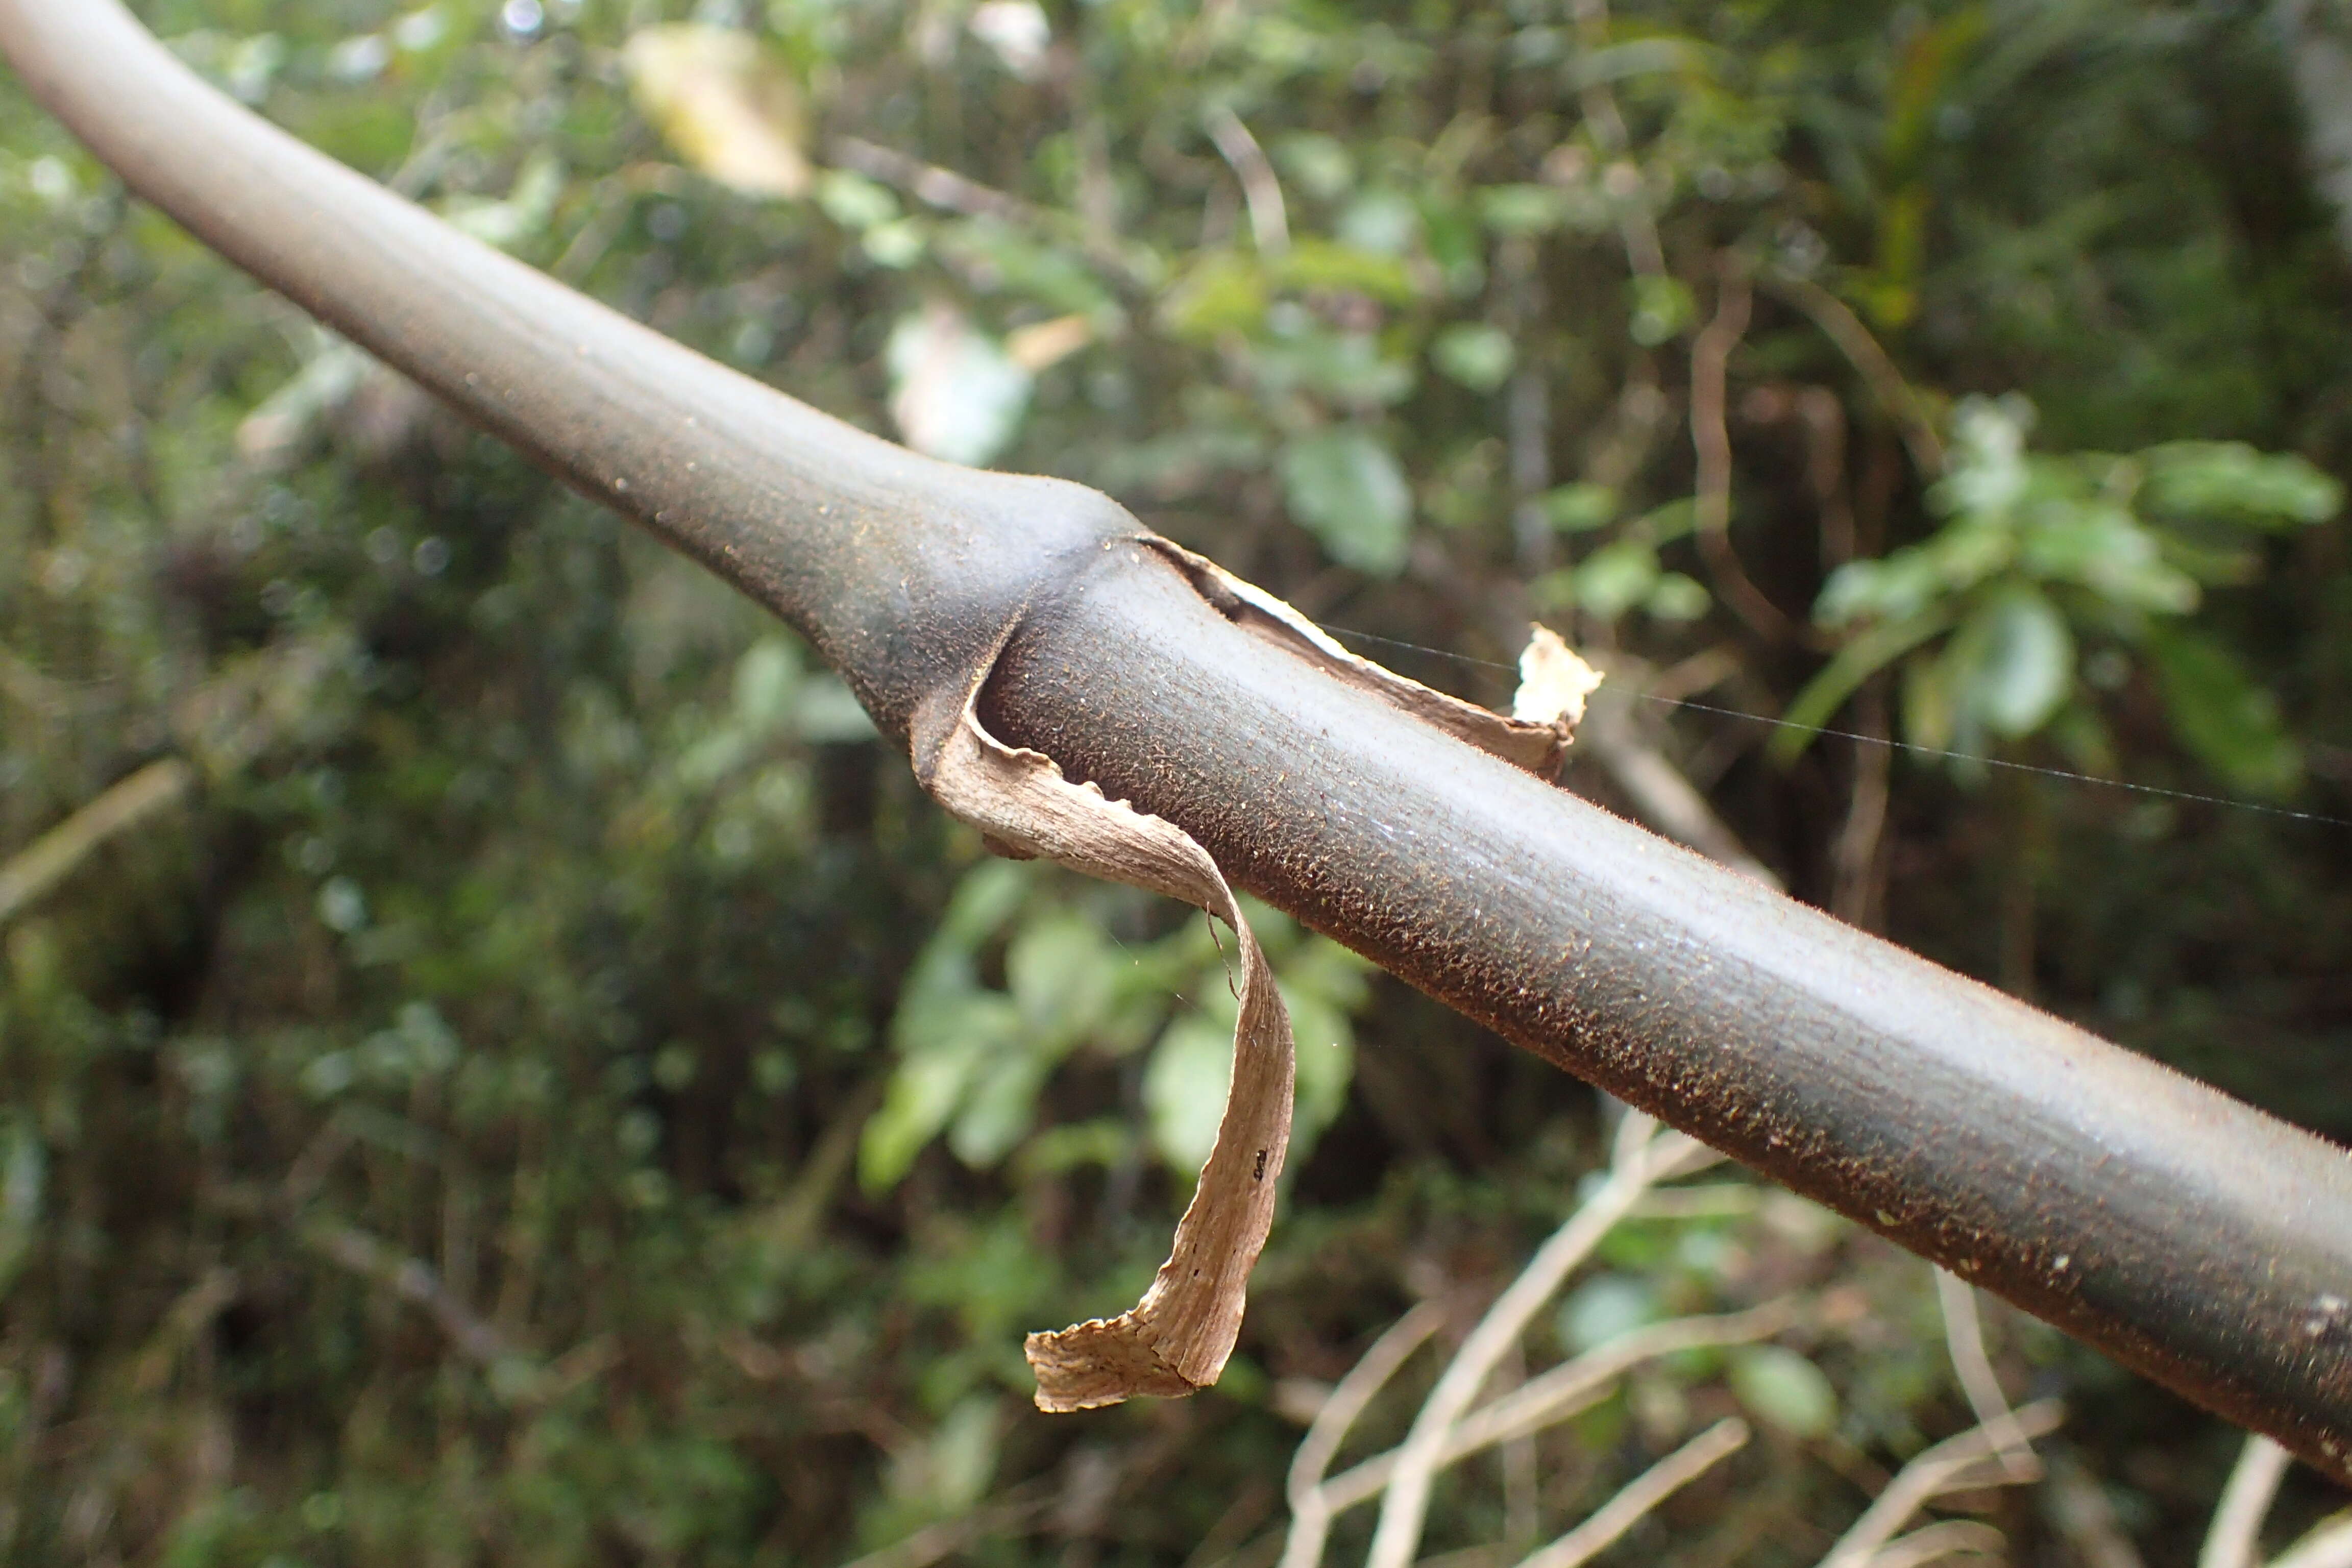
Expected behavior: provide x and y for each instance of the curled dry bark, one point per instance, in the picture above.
(1176, 1339)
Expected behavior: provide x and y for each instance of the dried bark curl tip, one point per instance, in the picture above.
(1535, 736)
(1176, 1339)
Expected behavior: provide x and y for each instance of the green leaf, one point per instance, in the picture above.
(1666, 522)
(1782, 1388)
(2231, 725)
(954, 391)
(923, 1093)
(1000, 1107)
(1343, 368)
(1347, 489)
(1223, 291)
(1663, 307)
(1457, 245)
(728, 106)
(1856, 662)
(1383, 223)
(2083, 739)
(1480, 357)
(1580, 509)
(1061, 973)
(855, 202)
(766, 680)
(1321, 164)
(1321, 264)
(985, 899)
(2232, 480)
(1521, 209)
(828, 712)
(1321, 982)
(1985, 467)
(1184, 1090)
(2103, 548)
(1604, 1308)
(1675, 597)
(951, 1470)
(1637, 56)
(2017, 662)
(1907, 582)
(1014, 264)
(1616, 577)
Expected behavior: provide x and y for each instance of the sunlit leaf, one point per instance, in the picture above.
(1184, 1090)
(1344, 487)
(1045, 344)
(2104, 547)
(2017, 660)
(855, 202)
(1059, 970)
(2233, 481)
(1322, 165)
(521, 215)
(1383, 223)
(1985, 471)
(1782, 1387)
(729, 108)
(1615, 577)
(954, 392)
(924, 1091)
(1521, 209)
(1580, 507)
(1224, 292)
(1016, 32)
(1319, 264)
(1909, 582)
(1477, 355)
(1000, 1107)
(1677, 597)
(1663, 307)
(1604, 1308)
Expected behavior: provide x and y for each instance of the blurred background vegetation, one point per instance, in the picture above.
(501, 1067)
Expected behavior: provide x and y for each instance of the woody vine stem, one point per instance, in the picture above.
(2198, 1240)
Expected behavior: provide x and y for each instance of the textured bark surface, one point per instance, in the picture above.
(2195, 1238)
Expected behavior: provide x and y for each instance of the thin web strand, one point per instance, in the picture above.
(2157, 791)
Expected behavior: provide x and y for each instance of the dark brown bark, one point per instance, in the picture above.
(2200, 1241)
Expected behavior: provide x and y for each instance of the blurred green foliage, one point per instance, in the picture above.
(552, 1090)
(2023, 529)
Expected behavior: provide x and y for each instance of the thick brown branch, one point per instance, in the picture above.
(2197, 1239)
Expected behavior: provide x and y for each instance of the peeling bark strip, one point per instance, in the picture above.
(2198, 1241)
(1176, 1339)
(1554, 682)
